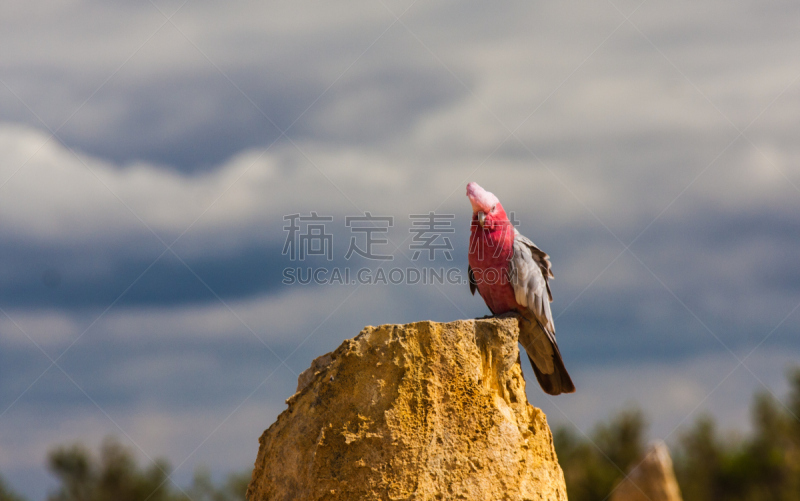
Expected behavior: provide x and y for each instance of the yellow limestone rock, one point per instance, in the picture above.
(651, 480)
(422, 411)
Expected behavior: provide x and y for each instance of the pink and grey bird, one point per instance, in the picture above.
(511, 274)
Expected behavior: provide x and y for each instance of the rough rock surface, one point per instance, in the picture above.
(651, 480)
(419, 411)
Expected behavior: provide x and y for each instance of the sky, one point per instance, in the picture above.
(150, 151)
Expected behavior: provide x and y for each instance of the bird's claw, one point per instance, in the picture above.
(508, 314)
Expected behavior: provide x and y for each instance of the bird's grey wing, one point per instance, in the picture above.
(529, 274)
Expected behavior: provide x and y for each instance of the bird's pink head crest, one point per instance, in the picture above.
(481, 199)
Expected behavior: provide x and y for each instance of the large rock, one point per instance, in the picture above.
(418, 411)
(651, 480)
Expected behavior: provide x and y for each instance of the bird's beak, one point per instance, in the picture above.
(481, 218)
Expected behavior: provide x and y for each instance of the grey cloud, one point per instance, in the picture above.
(192, 114)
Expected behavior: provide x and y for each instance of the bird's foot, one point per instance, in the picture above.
(508, 314)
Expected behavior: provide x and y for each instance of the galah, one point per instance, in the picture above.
(511, 275)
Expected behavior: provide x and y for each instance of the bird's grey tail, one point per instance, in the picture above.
(556, 383)
(545, 357)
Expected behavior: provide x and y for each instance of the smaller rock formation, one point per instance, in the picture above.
(422, 411)
(651, 480)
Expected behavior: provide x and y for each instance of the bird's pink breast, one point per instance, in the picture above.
(490, 253)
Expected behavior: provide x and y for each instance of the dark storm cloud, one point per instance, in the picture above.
(136, 375)
(195, 121)
(195, 113)
(55, 278)
(380, 106)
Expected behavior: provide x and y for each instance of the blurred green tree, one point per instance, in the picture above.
(593, 465)
(709, 466)
(203, 489)
(764, 466)
(115, 476)
(6, 494)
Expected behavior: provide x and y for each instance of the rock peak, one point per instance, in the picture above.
(652, 479)
(420, 411)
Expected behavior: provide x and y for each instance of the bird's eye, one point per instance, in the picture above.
(493, 206)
